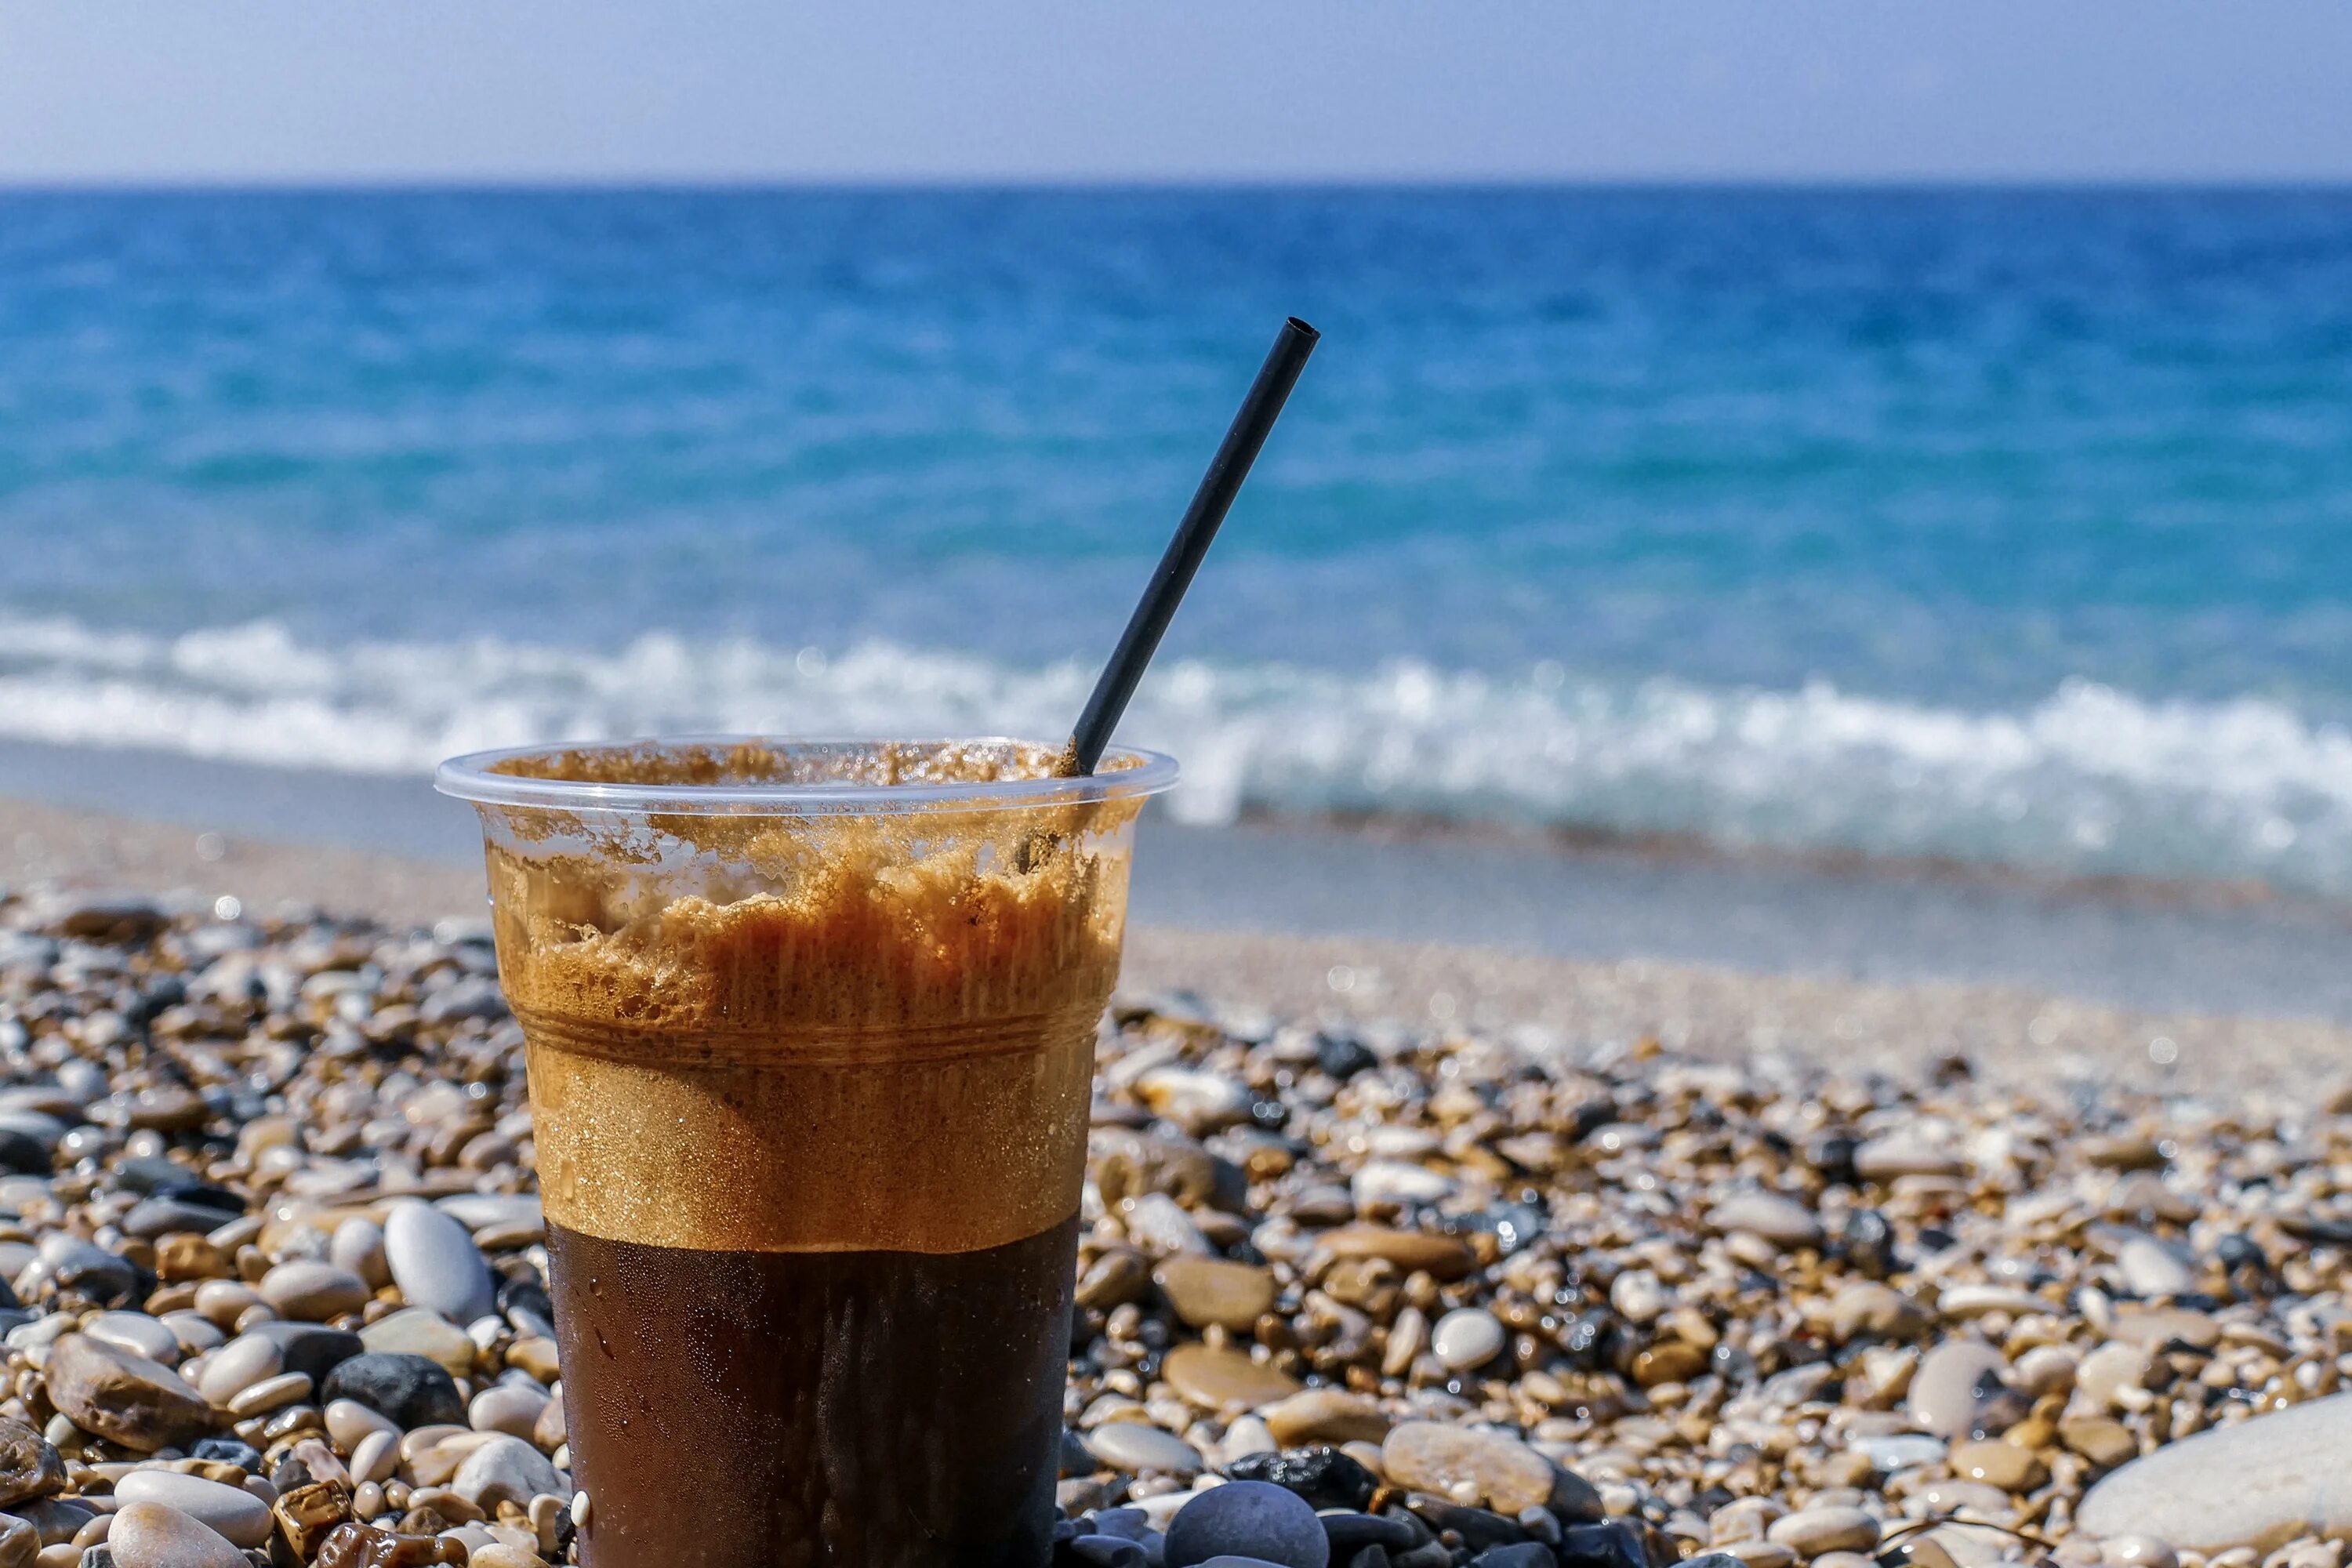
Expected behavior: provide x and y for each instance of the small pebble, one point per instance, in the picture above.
(313, 1290)
(1467, 1338)
(1812, 1531)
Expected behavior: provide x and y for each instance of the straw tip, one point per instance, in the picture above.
(1303, 330)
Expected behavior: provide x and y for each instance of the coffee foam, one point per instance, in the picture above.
(856, 1033)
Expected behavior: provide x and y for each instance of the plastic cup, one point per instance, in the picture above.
(811, 1036)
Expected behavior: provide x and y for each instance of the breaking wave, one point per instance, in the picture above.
(2090, 780)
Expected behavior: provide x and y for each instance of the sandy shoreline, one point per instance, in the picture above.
(1713, 1010)
(2184, 952)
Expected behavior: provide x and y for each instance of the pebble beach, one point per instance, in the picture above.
(1352, 1291)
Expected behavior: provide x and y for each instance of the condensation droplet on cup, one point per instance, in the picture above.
(1440, 1006)
(2162, 1051)
(228, 907)
(1340, 978)
(211, 847)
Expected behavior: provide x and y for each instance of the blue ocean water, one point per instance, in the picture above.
(2004, 526)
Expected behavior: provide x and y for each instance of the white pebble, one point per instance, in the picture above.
(1467, 1338)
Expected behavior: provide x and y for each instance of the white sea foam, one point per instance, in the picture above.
(2089, 779)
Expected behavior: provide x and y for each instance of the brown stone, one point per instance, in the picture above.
(2124, 1151)
(2011, 1468)
(535, 1353)
(184, 1255)
(167, 1107)
(123, 1397)
(1669, 1361)
(1326, 1416)
(359, 1545)
(1372, 1284)
(1205, 1290)
(2106, 1443)
(1444, 1257)
(1225, 1379)
(308, 1515)
(1119, 1276)
(1465, 1464)
(29, 1467)
(103, 917)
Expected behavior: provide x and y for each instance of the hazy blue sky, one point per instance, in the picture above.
(174, 89)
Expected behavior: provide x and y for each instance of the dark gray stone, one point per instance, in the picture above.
(55, 1519)
(314, 1350)
(1478, 1528)
(22, 1154)
(1324, 1476)
(1615, 1544)
(68, 1266)
(152, 1217)
(475, 996)
(1248, 1518)
(1127, 1523)
(1349, 1533)
(1342, 1056)
(411, 1390)
(1106, 1551)
(229, 1450)
(142, 1173)
(524, 1301)
(1523, 1555)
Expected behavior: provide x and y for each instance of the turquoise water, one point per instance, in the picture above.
(2010, 527)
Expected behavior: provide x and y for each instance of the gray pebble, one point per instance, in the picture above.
(436, 1263)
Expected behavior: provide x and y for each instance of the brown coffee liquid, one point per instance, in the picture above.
(776, 1409)
(808, 1104)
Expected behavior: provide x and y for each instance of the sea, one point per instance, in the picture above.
(2001, 528)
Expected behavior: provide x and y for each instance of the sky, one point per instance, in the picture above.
(1146, 91)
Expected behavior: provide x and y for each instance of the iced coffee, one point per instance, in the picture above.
(810, 1032)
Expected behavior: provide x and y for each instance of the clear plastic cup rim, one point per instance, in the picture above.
(1127, 773)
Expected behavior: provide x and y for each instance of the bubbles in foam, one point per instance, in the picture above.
(844, 1034)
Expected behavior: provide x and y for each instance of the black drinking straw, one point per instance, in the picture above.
(1223, 480)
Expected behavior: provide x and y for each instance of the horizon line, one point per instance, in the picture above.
(491, 184)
